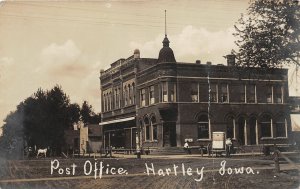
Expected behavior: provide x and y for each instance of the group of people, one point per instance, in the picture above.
(228, 147)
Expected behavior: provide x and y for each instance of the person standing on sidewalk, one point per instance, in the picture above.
(187, 148)
(228, 146)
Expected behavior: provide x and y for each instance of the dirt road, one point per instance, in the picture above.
(155, 172)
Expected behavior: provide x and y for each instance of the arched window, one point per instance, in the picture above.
(203, 127)
(154, 128)
(147, 128)
(266, 126)
(104, 102)
(141, 125)
(125, 96)
(281, 127)
(129, 94)
(230, 130)
(109, 101)
(133, 93)
(241, 122)
(253, 131)
(119, 97)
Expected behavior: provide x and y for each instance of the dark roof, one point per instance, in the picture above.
(166, 53)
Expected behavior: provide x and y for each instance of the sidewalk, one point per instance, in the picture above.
(183, 156)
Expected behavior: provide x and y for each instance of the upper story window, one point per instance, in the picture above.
(133, 93)
(143, 97)
(104, 103)
(172, 92)
(278, 97)
(224, 93)
(242, 93)
(214, 93)
(251, 94)
(151, 95)
(269, 94)
(109, 106)
(120, 97)
(117, 98)
(203, 92)
(237, 92)
(164, 91)
(125, 96)
(129, 95)
(194, 92)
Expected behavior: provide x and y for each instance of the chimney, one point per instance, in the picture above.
(230, 59)
(101, 71)
(136, 53)
(198, 61)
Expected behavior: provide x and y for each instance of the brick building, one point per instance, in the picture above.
(167, 102)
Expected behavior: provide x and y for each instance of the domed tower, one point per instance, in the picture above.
(166, 53)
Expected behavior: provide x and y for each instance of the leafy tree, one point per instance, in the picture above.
(74, 113)
(12, 140)
(86, 112)
(41, 121)
(88, 115)
(268, 35)
(47, 114)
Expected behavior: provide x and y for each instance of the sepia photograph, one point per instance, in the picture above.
(149, 94)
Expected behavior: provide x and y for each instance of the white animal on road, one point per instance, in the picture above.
(42, 151)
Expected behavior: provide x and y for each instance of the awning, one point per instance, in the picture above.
(117, 121)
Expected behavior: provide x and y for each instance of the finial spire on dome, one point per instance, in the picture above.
(165, 22)
(166, 41)
(166, 53)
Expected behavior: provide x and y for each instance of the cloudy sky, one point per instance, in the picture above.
(43, 43)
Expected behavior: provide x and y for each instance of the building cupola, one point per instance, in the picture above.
(136, 53)
(166, 53)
